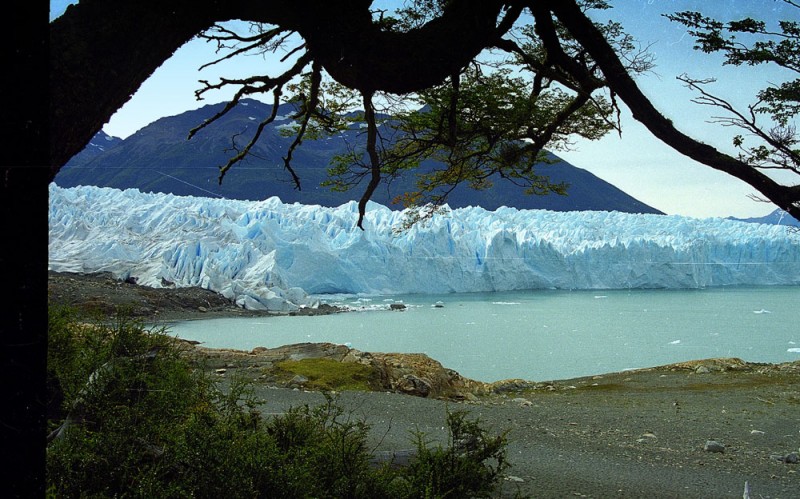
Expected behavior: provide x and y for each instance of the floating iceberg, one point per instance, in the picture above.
(267, 254)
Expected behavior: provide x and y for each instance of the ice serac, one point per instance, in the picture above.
(272, 255)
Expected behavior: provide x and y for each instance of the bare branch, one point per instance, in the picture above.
(587, 34)
(248, 87)
(781, 139)
(244, 152)
(307, 110)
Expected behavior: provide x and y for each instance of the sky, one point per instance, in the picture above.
(636, 162)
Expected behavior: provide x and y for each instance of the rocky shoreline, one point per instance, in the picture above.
(694, 429)
(102, 293)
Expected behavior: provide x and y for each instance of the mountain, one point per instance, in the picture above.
(267, 254)
(777, 217)
(159, 158)
(99, 145)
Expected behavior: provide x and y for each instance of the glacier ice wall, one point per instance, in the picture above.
(267, 254)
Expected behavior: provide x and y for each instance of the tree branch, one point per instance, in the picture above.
(787, 198)
(247, 88)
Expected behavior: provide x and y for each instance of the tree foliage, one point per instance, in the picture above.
(483, 85)
(768, 138)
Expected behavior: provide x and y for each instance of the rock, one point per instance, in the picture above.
(756, 432)
(298, 380)
(702, 370)
(513, 385)
(522, 402)
(221, 371)
(410, 373)
(792, 458)
(713, 446)
(202, 309)
(647, 437)
(412, 385)
(397, 306)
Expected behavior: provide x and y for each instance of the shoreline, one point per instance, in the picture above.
(101, 293)
(640, 433)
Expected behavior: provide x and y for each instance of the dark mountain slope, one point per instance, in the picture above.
(159, 158)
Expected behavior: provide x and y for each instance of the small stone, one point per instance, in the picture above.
(792, 458)
(713, 446)
(647, 437)
(298, 380)
(756, 432)
(512, 478)
(202, 309)
(702, 370)
(522, 402)
(221, 371)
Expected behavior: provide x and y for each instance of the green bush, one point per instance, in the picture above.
(130, 417)
(470, 466)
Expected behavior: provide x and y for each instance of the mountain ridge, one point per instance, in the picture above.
(159, 158)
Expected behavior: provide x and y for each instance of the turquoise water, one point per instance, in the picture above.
(543, 335)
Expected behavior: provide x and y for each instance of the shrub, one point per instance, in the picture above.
(470, 466)
(131, 418)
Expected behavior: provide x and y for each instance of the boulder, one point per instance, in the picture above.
(412, 385)
(409, 373)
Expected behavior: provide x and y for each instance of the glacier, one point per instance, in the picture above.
(276, 256)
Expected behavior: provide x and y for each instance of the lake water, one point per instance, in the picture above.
(543, 335)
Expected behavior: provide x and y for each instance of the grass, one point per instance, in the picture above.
(328, 374)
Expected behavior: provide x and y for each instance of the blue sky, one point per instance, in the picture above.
(637, 163)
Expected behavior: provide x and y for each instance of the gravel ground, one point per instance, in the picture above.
(631, 434)
(620, 435)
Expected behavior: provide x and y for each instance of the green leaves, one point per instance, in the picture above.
(149, 424)
(480, 127)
